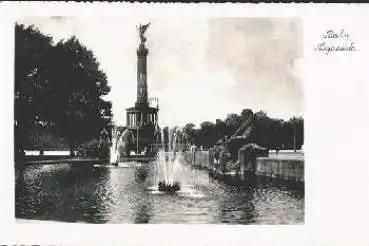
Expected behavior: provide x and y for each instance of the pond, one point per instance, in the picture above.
(128, 194)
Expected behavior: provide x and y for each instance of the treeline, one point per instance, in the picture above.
(58, 89)
(266, 132)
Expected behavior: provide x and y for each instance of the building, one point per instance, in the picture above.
(142, 120)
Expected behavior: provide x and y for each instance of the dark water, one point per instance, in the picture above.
(127, 194)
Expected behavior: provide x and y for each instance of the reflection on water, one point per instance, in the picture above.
(126, 194)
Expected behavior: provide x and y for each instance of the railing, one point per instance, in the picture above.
(47, 153)
(180, 146)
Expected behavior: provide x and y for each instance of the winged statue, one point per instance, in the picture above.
(141, 30)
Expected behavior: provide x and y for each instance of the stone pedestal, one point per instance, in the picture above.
(142, 120)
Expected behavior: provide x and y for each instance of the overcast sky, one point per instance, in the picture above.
(200, 69)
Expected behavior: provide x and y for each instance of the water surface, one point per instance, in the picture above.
(128, 194)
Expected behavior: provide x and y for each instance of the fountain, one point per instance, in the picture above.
(168, 162)
(119, 141)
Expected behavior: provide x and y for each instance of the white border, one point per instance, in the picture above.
(336, 126)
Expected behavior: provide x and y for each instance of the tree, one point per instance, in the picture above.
(233, 122)
(245, 113)
(58, 87)
(297, 126)
(30, 48)
(300, 133)
(189, 133)
(220, 129)
(78, 87)
(263, 130)
(207, 134)
(277, 134)
(165, 138)
(267, 132)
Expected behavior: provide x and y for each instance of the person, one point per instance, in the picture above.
(225, 142)
(276, 150)
(217, 153)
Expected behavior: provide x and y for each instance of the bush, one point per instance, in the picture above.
(92, 149)
(42, 138)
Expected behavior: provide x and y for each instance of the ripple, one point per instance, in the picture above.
(106, 193)
(188, 191)
(185, 191)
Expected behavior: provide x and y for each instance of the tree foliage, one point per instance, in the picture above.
(267, 132)
(189, 133)
(206, 135)
(58, 86)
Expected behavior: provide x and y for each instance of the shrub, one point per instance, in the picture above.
(94, 149)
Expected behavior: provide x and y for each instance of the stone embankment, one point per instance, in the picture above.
(286, 165)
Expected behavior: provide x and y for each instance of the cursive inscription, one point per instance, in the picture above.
(329, 47)
(336, 41)
(333, 34)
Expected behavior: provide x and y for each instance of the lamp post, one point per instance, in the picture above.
(294, 133)
(137, 138)
(294, 137)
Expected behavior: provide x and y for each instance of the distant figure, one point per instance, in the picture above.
(217, 150)
(276, 150)
(193, 148)
(104, 136)
(226, 142)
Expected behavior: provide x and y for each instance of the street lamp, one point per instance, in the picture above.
(294, 133)
(294, 137)
(137, 138)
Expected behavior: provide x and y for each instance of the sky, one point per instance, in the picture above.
(201, 69)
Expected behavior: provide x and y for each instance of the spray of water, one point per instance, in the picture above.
(117, 142)
(114, 151)
(168, 162)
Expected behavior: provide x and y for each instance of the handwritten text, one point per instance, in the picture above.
(336, 41)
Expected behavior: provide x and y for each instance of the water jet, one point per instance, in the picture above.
(119, 143)
(168, 162)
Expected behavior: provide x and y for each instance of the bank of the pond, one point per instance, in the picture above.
(283, 167)
(286, 166)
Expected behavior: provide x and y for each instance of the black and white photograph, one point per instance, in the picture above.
(159, 121)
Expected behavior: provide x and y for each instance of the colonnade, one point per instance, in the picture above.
(141, 118)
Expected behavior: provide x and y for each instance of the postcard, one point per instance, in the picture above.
(184, 123)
